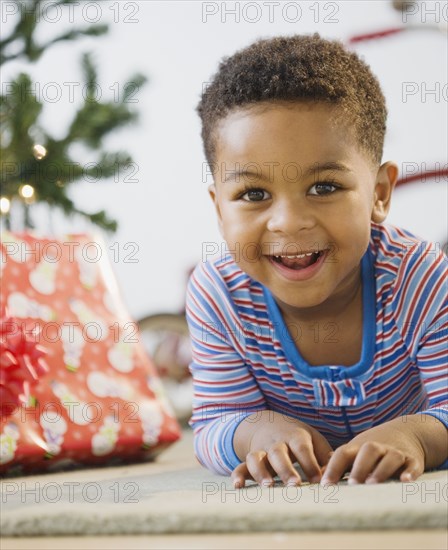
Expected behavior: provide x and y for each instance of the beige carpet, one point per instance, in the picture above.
(175, 495)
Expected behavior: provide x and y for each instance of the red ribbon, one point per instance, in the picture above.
(21, 363)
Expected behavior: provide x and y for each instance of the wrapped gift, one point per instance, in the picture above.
(76, 386)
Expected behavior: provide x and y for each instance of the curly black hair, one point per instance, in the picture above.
(297, 68)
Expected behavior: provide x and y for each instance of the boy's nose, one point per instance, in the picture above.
(290, 217)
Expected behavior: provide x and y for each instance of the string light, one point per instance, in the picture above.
(5, 205)
(39, 151)
(27, 192)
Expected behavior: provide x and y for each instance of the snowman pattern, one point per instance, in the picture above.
(87, 270)
(105, 440)
(8, 442)
(73, 344)
(54, 428)
(75, 407)
(152, 418)
(120, 356)
(19, 305)
(97, 329)
(105, 386)
(43, 277)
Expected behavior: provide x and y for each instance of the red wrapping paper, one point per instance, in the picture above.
(76, 386)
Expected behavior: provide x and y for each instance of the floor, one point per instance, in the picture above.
(365, 540)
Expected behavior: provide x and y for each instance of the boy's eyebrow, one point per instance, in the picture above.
(326, 166)
(316, 167)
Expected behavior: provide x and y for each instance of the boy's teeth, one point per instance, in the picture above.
(291, 257)
(297, 261)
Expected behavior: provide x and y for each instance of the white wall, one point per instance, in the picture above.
(167, 212)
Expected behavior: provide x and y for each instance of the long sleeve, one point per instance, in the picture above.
(432, 362)
(422, 314)
(225, 391)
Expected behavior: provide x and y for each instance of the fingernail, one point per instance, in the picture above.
(293, 482)
(267, 482)
(407, 477)
(352, 481)
(237, 484)
(324, 481)
(315, 479)
(371, 480)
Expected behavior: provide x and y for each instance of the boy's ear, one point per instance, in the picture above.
(212, 193)
(385, 182)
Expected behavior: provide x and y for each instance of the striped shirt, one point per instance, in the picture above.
(245, 359)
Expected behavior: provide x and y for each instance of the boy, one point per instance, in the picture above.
(321, 338)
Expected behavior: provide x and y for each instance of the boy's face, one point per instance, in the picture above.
(289, 182)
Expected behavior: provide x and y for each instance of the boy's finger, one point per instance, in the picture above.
(257, 465)
(340, 462)
(303, 451)
(281, 463)
(414, 469)
(322, 449)
(387, 467)
(367, 460)
(324, 467)
(239, 476)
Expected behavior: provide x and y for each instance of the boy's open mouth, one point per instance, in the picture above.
(298, 261)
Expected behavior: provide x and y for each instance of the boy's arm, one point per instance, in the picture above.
(432, 361)
(224, 390)
(410, 444)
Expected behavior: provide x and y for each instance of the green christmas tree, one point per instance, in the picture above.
(42, 170)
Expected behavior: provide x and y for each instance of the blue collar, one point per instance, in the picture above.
(368, 331)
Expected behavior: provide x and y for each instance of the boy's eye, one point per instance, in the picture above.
(323, 188)
(255, 195)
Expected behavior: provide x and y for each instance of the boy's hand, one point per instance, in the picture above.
(271, 443)
(392, 449)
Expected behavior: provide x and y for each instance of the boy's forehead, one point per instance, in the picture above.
(278, 129)
(280, 116)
